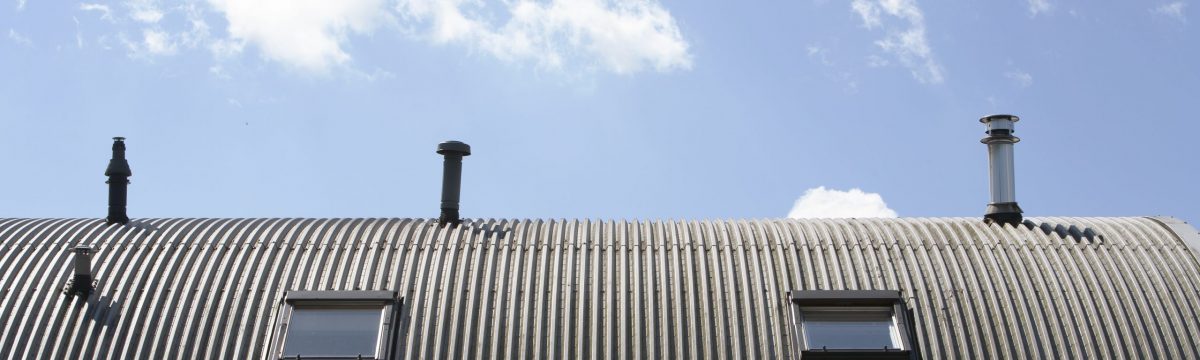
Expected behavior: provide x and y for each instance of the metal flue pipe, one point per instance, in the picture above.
(453, 151)
(1003, 207)
(118, 174)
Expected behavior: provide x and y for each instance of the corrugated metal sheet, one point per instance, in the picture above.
(211, 288)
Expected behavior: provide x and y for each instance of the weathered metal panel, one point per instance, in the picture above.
(550, 289)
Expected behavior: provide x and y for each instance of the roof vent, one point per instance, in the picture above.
(1003, 207)
(451, 179)
(83, 282)
(118, 174)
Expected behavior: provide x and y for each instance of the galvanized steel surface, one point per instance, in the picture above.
(212, 288)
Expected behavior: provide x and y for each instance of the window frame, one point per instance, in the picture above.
(850, 300)
(387, 302)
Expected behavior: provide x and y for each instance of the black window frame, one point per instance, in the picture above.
(388, 302)
(868, 300)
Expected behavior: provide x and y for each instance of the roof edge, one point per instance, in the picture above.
(1182, 230)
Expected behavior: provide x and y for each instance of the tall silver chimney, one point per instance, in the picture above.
(1003, 207)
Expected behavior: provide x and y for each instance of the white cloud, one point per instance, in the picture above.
(144, 11)
(149, 16)
(306, 34)
(18, 38)
(620, 36)
(20, 5)
(105, 12)
(1039, 6)
(198, 32)
(906, 41)
(153, 42)
(1172, 11)
(158, 42)
(868, 12)
(820, 202)
(1021, 78)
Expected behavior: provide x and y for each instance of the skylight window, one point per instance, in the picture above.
(335, 325)
(320, 331)
(850, 328)
(856, 324)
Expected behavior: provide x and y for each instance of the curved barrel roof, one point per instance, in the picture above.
(553, 289)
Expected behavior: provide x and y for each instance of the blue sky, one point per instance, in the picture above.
(597, 108)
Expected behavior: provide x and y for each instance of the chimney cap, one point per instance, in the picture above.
(989, 118)
(118, 138)
(454, 147)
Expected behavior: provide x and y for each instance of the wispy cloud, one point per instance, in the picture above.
(152, 43)
(876, 61)
(832, 70)
(315, 36)
(144, 11)
(1021, 78)
(104, 10)
(158, 42)
(78, 33)
(219, 72)
(821, 54)
(1039, 7)
(612, 35)
(20, 5)
(1173, 11)
(905, 39)
(18, 38)
(820, 202)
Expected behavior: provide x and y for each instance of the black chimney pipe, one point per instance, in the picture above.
(451, 179)
(118, 174)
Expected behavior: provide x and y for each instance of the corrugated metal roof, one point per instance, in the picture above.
(211, 288)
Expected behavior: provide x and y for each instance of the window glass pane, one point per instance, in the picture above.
(333, 332)
(849, 329)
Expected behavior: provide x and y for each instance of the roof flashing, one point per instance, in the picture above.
(342, 295)
(845, 297)
(1182, 229)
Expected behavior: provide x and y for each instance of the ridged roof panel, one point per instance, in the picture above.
(212, 288)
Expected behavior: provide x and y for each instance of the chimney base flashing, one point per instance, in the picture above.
(1003, 213)
(449, 217)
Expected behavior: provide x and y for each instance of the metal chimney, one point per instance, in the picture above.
(82, 282)
(451, 179)
(1003, 207)
(118, 174)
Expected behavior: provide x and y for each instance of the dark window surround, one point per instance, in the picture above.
(853, 298)
(387, 300)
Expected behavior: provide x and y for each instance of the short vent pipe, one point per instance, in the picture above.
(81, 283)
